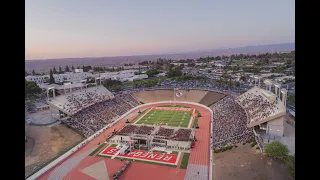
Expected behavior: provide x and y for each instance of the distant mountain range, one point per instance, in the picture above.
(45, 65)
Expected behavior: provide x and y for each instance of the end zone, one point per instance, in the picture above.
(156, 157)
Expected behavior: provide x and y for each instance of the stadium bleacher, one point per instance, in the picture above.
(93, 118)
(258, 107)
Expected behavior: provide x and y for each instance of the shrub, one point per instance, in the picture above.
(253, 144)
(244, 143)
(257, 147)
(250, 140)
(290, 161)
(229, 147)
(277, 150)
(217, 150)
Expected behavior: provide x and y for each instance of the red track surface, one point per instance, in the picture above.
(142, 171)
(143, 155)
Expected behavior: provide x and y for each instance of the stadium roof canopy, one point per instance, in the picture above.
(261, 106)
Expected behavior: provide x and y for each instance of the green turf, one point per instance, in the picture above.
(173, 118)
(174, 106)
(195, 122)
(141, 114)
(148, 162)
(99, 148)
(113, 145)
(199, 114)
(104, 156)
(184, 162)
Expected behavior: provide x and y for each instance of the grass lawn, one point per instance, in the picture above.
(174, 106)
(175, 152)
(173, 118)
(104, 156)
(184, 162)
(141, 114)
(199, 114)
(195, 122)
(159, 151)
(134, 160)
(113, 145)
(98, 149)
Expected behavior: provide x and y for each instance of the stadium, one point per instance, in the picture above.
(160, 133)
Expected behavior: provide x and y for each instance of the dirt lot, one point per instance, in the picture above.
(244, 163)
(44, 143)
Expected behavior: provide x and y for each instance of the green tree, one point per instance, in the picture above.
(290, 161)
(60, 70)
(54, 70)
(291, 98)
(277, 150)
(67, 69)
(243, 78)
(31, 89)
(152, 72)
(51, 79)
(72, 68)
(30, 105)
(33, 72)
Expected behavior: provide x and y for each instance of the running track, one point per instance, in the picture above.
(142, 171)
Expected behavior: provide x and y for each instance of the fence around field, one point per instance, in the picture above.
(71, 151)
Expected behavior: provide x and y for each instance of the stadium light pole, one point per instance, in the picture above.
(48, 90)
(85, 81)
(97, 78)
(66, 84)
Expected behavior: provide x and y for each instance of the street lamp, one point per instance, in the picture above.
(66, 84)
(97, 78)
(84, 81)
(48, 90)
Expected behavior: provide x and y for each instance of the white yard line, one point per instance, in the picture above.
(160, 116)
(143, 115)
(190, 121)
(160, 162)
(172, 117)
(116, 154)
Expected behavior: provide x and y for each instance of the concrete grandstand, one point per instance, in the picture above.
(198, 96)
(229, 120)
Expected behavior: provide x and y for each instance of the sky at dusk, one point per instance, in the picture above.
(84, 28)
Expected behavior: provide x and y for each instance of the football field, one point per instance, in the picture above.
(177, 117)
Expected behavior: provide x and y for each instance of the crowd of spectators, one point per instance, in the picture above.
(127, 130)
(165, 132)
(93, 118)
(256, 106)
(80, 100)
(145, 130)
(133, 129)
(229, 123)
(182, 135)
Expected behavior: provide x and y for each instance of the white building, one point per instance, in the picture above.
(284, 78)
(138, 77)
(161, 74)
(37, 79)
(72, 77)
(125, 75)
(78, 70)
(60, 78)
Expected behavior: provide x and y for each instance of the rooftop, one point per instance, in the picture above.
(261, 105)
